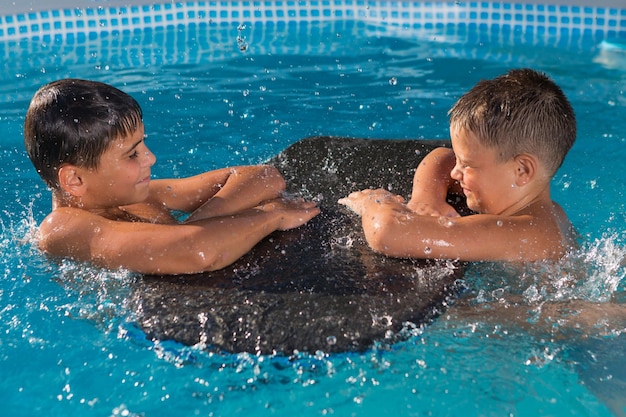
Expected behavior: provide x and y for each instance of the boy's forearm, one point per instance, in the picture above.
(245, 188)
(394, 230)
(248, 186)
(432, 176)
(237, 188)
(378, 226)
(432, 183)
(229, 238)
(204, 245)
(218, 242)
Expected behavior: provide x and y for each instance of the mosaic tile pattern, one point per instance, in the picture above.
(419, 14)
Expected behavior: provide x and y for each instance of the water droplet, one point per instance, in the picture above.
(499, 223)
(393, 81)
(427, 250)
(445, 221)
(331, 340)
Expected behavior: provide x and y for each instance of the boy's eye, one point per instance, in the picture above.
(134, 155)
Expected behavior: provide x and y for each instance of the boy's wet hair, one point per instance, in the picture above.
(522, 111)
(74, 121)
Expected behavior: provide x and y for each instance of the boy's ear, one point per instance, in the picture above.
(526, 169)
(71, 181)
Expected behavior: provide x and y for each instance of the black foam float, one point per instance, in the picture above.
(318, 287)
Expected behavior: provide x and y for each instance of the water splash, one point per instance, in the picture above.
(605, 259)
(594, 273)
(98, 295)
(242, 43)
(582, 294)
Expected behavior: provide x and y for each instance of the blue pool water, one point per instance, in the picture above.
(237, 93)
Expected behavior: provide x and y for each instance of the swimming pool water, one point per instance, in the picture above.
(216, 95)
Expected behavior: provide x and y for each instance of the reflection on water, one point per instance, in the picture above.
(612, 54)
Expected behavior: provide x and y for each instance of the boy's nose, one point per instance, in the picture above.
(456, 174)
(148, 157)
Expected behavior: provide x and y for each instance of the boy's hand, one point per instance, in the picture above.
(359, 201)
(294, 211)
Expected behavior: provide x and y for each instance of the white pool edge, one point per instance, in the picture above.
(89, 17)
(8, 7)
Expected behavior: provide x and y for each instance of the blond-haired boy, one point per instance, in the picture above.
(509, 136)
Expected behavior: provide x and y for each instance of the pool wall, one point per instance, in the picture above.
(67, 18)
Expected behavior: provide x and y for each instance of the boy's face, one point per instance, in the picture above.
(488, 184)
(123, 173)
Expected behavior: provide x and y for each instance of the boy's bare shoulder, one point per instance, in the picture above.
(550, 218)
(549, 229)
(63, 216)
(67, 226)
(82, 235)
(539, 233)
(568, 231)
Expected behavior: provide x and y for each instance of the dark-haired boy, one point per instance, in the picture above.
(86, 140)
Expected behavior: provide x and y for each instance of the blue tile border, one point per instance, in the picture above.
(100, 18)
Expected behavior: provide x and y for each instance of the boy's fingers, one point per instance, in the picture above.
(308, 204)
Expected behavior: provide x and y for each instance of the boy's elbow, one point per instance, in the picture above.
(192, 264)
(377, 243)
(271, 174)
(202, 261)
(379, 234)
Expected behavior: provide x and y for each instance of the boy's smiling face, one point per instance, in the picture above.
(487, 182)
(122, 176)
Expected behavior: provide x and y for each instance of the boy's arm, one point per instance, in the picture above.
(205, 245)
(220, 192)
(432, 184)
(392, 229)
